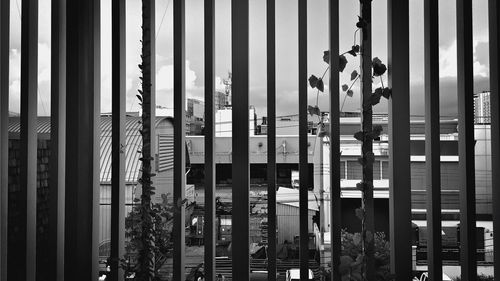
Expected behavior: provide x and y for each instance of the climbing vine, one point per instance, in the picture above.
(358, 269)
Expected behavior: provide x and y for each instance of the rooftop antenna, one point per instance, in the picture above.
(227, 82)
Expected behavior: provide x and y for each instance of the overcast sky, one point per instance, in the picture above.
(286, 32)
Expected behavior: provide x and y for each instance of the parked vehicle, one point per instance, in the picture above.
(260, 275)
(425, 277)
(294, 275)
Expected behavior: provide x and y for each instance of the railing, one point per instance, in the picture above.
(75, 119)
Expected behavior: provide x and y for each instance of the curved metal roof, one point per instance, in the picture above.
(132, 145)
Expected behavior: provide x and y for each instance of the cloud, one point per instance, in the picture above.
(43, 79)
(448, 60)
(165, 77)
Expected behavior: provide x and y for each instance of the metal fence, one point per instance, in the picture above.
(75, 108)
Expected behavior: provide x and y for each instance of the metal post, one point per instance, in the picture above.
(399, 139)
(432, 141)
(179, 139)
(240, 118)
(26, 254)
(271, 139)
(82, 140)
(118, 93)
(466, 141)
(57, 139)
(209, 227)
(494, 29)
(303, 147)
(4, 133)
(335, 207)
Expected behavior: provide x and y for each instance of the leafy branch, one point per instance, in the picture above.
(358, 267)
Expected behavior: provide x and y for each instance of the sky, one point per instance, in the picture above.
(286, 52)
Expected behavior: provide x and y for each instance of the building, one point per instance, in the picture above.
(163, 149)
(224, 125)
(482, 109)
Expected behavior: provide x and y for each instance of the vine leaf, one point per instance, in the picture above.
(355, 48)
(139, 97)
(386, 93)
(356, 239)
(359, 136)
(326, 57)
(375, 97)
(378, 67)
(313, 110)
(360, 214)
(352, 53)
(350, 93)
(313, 81)
(354, 74)
(320, 85)
(361, 23)
(361, 186)
(342, 63)
(377, 129)
(345, 87)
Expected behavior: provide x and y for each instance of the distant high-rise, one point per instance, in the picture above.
(220, 100)
(482, 113)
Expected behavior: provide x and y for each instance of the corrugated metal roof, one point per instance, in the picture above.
(132, 145)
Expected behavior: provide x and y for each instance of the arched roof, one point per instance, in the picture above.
(132, 145)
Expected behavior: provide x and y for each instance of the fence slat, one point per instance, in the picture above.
(466, 140)
(271, 138)
(118, 93)
(4, 132)
(303, 148)
(26, 255)
(58, 141)
(240, 118)
(399, 139)
(335, 207)
(209, 227)
(82, 140)
(432, 140)
(494, 30)
(179, 139)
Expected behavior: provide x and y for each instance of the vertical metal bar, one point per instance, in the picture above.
(240, 118)
(118, 92)
(82, 140)
(28, 149)
(58, 142)
(152, 46)
(335, 207)
(4, 132)
(95, 117)
(179, 138)
(465, 89)
(432, 134)
(368, 224)
(466, 139)
(271, 139)
(303, 165)
(209, 227)
(494, 30)
(399, 139)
